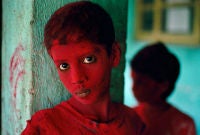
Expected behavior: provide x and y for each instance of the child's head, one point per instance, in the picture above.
(80, 21)
(156, 62)
(81, 41)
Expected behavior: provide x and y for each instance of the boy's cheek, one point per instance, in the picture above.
(64, 79)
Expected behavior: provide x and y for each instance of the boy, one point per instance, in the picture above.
(80, 39)
(154, 72)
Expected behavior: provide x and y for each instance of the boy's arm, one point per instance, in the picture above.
(187, 128)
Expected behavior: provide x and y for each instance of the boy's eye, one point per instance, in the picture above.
(64, 66)
(89, 59)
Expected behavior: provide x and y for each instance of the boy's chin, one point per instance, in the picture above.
(84, 100)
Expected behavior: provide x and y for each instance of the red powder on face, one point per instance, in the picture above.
(84, 69)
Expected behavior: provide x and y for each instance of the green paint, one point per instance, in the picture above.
(48, 89)
(39, 87)
(16, 32)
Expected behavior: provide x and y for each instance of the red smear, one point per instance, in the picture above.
(17, 70)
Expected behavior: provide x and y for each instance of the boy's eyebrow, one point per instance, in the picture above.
(60, 61)
(97, 50)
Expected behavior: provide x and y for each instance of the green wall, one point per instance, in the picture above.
(16, 64)
(187, 92)
(29, 78)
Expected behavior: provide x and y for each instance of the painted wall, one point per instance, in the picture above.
(29, 78)
(16, 65)
(187, 92)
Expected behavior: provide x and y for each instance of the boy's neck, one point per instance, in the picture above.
(152, 112)
(162, 106)
(99, 112)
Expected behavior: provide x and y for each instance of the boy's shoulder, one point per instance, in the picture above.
(181, 121)
(179, 116)
(50, 121)
(131, 116)
(130, 111)
(57, 111)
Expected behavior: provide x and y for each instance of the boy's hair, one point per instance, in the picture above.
(79, 21)
(158, 63)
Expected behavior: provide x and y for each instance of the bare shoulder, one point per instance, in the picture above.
(131, 115)
(180, 116)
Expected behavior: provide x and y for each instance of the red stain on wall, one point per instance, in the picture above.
(17, 71)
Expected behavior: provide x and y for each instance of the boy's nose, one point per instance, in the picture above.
(78, 76)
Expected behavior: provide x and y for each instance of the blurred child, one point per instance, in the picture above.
(154, 73)
(80, 39)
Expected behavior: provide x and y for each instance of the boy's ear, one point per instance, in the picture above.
(164, 86)
(132, 73)
(116, 54)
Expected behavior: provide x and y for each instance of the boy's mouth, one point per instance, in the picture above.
(83, 93)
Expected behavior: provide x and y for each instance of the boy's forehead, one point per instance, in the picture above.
(72, 49)
(83, 43)
(86, 45)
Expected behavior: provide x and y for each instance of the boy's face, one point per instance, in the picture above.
(84, 68)
(146, 89)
